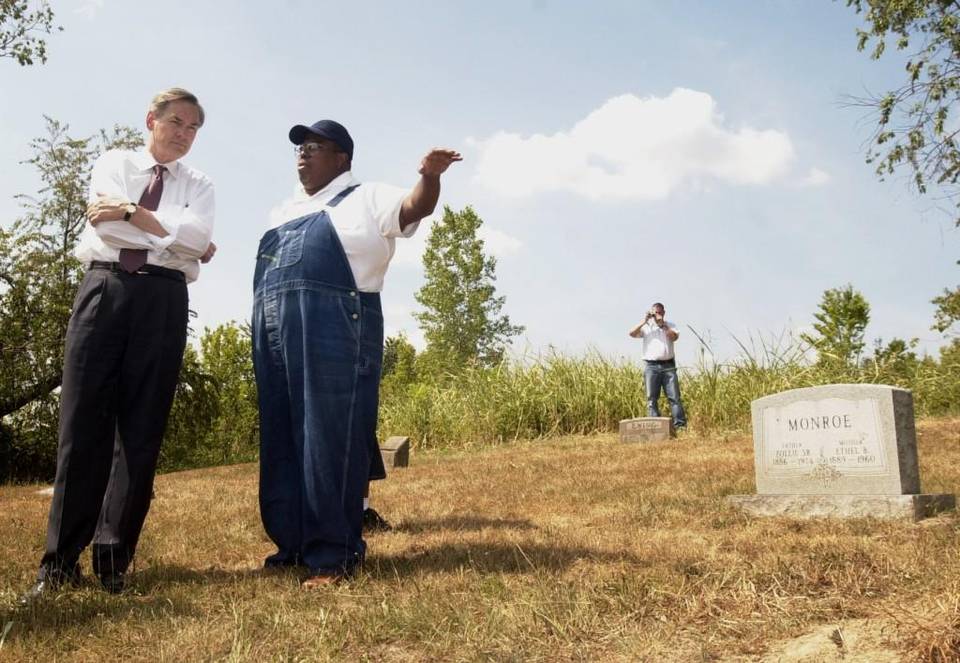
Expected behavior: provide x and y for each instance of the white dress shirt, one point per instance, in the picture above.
(367, 222)
(185, 212)
(657, 346)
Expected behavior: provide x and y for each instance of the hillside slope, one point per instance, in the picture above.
(567, 549)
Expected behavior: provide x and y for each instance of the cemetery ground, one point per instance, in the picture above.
(565, 549)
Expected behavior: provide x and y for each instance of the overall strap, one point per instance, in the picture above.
(333, 202)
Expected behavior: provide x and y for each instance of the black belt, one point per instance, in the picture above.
(661, 362)
(152, 270)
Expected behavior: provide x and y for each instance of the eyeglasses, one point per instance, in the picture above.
(309, 149)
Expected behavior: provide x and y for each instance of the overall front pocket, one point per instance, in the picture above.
(290, 250)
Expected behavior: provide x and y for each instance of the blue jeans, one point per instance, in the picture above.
(663, 374)
(317, 353)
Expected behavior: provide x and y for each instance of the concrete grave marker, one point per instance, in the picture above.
(646, 429)
(396, 451)
(842, 450)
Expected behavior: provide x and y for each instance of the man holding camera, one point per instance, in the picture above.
(658, 336)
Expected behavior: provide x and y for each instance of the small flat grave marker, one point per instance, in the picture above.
(646, 429)
(396, 451)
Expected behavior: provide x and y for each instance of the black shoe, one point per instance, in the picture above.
(113, 582)
(283, 560)
(374, 522)
(39, 589)
(49, 582)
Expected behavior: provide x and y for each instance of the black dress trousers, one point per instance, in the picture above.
(124, 347)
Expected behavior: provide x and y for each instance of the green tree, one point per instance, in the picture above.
(20, 30)
(196, 407)
(38, 271)
(916, 123)
(38, 279)
(941, 384)
(841, 323)
(894, 362)
(399, 358)
(214, 419)
(227, 355)
(462, 319)
(948, 310)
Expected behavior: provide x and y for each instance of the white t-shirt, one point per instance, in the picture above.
(657, 346)
(367, 222)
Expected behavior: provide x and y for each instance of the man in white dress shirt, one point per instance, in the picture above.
(150, 226)
(660, 372)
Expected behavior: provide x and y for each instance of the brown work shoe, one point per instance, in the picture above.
(319, 580)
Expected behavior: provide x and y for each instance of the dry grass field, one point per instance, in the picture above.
(569, 549)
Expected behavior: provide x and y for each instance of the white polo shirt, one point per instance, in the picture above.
(367, 222)
(656, 345)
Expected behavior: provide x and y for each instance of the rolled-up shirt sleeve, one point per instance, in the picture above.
(106, 179)
(190, 226)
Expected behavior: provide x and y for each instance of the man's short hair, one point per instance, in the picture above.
(656, 304)
(158, 105)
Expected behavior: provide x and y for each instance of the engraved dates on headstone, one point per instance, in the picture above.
(839, 451)
(836, 439)
(832, 434)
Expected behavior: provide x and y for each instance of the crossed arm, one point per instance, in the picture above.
(108, 204)
(106, 207)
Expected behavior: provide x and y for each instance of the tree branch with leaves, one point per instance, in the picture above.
(40, 272)
(917, 123)
(22, 26)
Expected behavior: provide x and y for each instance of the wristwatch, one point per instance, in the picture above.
(131, 209)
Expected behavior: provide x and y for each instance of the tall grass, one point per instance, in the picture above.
(551, 394)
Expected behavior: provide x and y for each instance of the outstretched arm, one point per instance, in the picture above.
(423, 198)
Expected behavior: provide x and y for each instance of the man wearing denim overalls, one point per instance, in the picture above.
(660, 369)
(318, 347)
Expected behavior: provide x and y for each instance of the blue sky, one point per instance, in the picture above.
(695, 153)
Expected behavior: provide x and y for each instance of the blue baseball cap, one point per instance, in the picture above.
(325, 129)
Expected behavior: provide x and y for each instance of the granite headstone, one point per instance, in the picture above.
(838, 450)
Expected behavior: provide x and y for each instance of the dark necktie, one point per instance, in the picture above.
(133, 259)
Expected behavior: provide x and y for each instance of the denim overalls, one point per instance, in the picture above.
(317, 353)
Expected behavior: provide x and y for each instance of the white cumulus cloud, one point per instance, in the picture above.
(498, 243)
(633, 148)
(815, 177)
